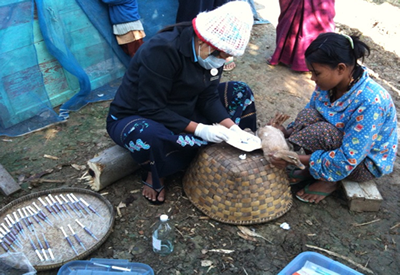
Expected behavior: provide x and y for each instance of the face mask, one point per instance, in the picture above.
(210, 62)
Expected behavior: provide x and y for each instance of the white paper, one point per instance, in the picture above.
(247, 145)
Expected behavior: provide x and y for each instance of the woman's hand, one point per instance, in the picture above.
(277, 162)
(245, 136)
(212, 133)
(277, 122)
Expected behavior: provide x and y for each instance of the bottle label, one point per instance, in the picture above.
(156, 243)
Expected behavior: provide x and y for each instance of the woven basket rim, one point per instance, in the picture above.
(212, 178)
(61, 191)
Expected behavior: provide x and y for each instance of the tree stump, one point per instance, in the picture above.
(109, 166)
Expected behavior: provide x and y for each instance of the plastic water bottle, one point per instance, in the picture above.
(163, 237)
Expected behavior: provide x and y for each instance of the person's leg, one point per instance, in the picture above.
(132, 47)
(238, 99)
(317, 191)
(312, 133)
(155, 148)
(308, 133)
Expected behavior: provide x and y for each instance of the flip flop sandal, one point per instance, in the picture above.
(226, 65)
(308, 191)
(291, 174)
(156, 202)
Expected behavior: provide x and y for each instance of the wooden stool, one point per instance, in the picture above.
(362, 196)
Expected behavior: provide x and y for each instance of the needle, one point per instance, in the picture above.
(22, 218)
(41, 247)
(113, 267)
(28, 219)
(52, 206)
(77, 206)
(3, 238)
(8, 234)
(34, 216)
(71, 205)
(48, 208)
(20, 228)
(79, 203)
(58, 207)
(69, 241)
(91, 208)
(4, 246)
(76, 237)
(86, 230)
(41, 214)
(11, 225)
(36, 250)
(48, 247)
(63, 206)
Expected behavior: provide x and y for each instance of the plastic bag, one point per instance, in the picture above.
(15, 263)
(310, 268)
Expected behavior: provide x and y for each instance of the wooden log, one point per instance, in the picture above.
(7, 184)
(109, 166)
(363, 196)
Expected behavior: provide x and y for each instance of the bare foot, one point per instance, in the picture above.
(150, 193)
(317, 191)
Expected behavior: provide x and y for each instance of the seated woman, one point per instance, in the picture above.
(171, 94)
(349, 127)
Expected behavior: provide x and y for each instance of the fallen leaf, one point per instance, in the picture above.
(251, 233)
(246, 237)
(50, 134)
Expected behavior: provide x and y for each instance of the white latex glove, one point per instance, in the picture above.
(212, 133)
(245, 136)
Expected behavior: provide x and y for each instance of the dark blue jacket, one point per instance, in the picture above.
(123, 11)
(165, 84)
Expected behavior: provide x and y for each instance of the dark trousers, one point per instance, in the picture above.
(164, 153)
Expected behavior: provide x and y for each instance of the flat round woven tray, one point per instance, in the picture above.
(234, 190)
(100, 225)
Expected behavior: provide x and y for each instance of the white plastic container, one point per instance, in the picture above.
(163, 237)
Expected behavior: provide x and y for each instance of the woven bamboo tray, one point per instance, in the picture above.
(237, 191)
(100, 225)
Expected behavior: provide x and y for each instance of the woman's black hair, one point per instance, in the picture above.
(332, 48)
(171, 27)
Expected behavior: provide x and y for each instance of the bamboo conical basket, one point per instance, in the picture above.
(237, 191)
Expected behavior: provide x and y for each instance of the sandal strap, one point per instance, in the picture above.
(151, 186)
(319, 193)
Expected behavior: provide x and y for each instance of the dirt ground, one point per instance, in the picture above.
(368, 239)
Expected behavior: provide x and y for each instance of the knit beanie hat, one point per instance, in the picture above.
(226, 28)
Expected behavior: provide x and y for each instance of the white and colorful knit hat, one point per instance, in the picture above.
(226, 28)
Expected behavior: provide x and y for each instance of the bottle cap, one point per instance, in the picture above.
(164, 218)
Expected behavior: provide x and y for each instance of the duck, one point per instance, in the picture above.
(273, 142)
